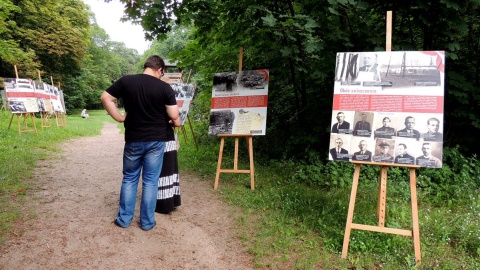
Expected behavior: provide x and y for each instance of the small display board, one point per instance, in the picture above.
(239, 103)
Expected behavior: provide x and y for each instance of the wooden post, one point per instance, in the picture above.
(189, 74)
(388, 43)
(240, 63)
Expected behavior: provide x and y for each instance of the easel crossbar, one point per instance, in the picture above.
(381, 229)
(234, 171)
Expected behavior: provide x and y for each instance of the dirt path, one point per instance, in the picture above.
(76, 202)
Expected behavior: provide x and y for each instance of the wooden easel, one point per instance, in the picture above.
(381, 209)
(184, 132)
(249, 139)
(24, 127)
(235, 169)
(60, 119)
(178, 78)
(382, 193)
(45, 116)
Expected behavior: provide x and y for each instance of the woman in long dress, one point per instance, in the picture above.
(168, 197)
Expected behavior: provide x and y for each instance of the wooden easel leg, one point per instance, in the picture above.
(42, 119)
(10, 121)
(252, 166)
(351, 207)
(56, 119)
(219, 163)
(382, 197)
(191, 129)
(235, 157)
(184, 132)
(18, 123)
(32, 115)
(416, 228)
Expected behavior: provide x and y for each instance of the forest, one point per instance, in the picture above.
(297, 41)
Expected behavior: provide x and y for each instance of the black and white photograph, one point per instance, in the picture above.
(362, 149)
(396, 72)
(384, 126)
(384, 150)
(363, 124)
(339, 147)
(408, 130)
(221, 122)
(16, 106)
(225, 82)
(183, 90)
(431, 155)
(342, 122)
(242, 83)
(405, 152)
(41, 105)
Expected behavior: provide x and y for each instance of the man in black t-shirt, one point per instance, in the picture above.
(150, 111)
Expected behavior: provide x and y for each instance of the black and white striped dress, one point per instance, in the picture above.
(168, 196)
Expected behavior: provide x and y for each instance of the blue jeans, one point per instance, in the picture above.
(145, 157)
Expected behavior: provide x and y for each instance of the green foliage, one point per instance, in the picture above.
(459, 173)
(61, 40)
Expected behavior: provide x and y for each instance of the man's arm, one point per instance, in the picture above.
(173, 113)
(108, 102)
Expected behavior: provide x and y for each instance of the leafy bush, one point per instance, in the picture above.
(459, 173)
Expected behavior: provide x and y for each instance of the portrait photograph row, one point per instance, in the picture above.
(399, 151)
(388, 125)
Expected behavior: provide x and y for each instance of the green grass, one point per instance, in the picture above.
(289, 223)
(20, 152)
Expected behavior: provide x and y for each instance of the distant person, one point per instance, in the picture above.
(363, 154)
(402, 156)
(408, 131)
(362, 128)
(383, 155)
(341, 126)
(433, 124)
(385, 132)
(338, 152)
(151, 110)
(84, 114)
(427, 159)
